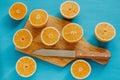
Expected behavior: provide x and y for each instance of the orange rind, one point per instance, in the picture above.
(69, 9)
(22, 38)
(80, 69)
(105, 32)
(50, 36)
(26, 66)
(72, 32)
(18, 11)
(38, 18)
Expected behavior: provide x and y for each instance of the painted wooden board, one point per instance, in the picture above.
(82, 45)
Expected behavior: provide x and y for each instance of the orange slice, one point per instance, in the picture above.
(18, 11)
(80, 69)
(105, 32)
(50, 36)
(22, 38)
(38, 18)
(72, 32)
(26, 66)
(69, 9)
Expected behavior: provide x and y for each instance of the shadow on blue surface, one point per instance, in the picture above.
(11, 23)
(96, 42)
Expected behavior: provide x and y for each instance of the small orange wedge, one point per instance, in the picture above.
(69, 9)
(105, 32)
(80, 69)
(18, 11)
(26, 66)
(22, 38)
(38, 18)
(50, 36)
(72, 32)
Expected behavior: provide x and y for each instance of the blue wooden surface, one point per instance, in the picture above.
(92, 12)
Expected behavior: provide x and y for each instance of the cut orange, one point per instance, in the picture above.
(80, 69)
(50, 36)
(105, 32)
(22, 38)
(38, 18)
(18, 11)
(26, 66)
(69, 9)
(72, 32)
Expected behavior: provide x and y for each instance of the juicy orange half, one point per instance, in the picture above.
(18, 11)
(38, 18)
(72, 32)
(22, 38)
(50, 36)
(26, 66)
(105, 32)
(80, 69)
(69, 9)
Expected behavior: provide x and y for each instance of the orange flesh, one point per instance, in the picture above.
(26, 66)
(22, 38)
(70, 9)
(72, 32)
(105, 31)
(18, 11)
(50, 36)
(80, 69)
(38, 17)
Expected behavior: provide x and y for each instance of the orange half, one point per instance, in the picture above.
(72, 32)
(26, 66)
(18, 11)
(80, 69)
(38, 18)
(50, 36)
(69, 9)
(105, 32)
(22, 38)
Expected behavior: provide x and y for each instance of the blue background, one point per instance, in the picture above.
(92, 12)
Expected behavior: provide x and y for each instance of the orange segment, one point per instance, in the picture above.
(50, 36)
(69, 9)
(18, 11)
(26, 66)
(80, 69)
(38, 18)
(22, 38)
(72, 32)
(105, 32)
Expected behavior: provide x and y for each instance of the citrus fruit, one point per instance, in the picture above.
(105, 32)
(38, 18)
(18, 11)
(72, 32)
(50, 36)
(22, 38)
(80, 69)
(69, 9)
(26, 66)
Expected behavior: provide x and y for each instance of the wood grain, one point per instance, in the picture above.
(82, 45)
